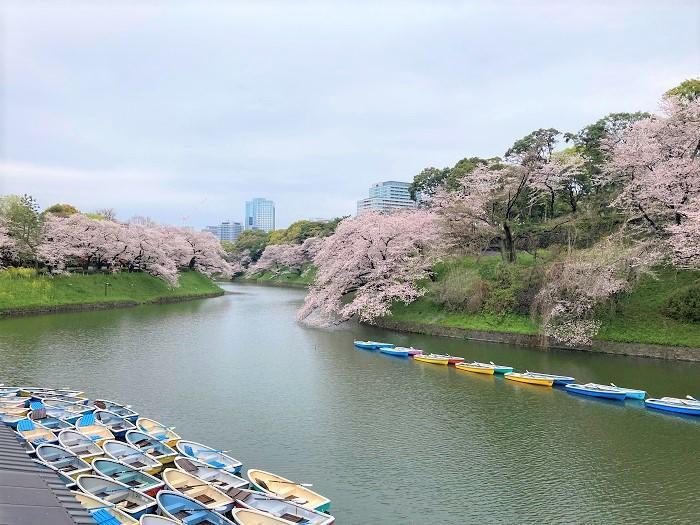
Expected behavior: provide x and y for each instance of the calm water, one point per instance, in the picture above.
(388, 440)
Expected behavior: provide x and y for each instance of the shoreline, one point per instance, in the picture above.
(645, 350)
(628, 349)
(106, 305)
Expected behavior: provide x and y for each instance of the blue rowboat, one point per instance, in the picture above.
(558, 380)
(179, 507)
(690, 406)
(398, 351)
(115, 423)
(630, 393)
(594, 390)
(123, 411)
(212, 457)
(372, 345)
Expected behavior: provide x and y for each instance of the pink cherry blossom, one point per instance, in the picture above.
(370, 262)
(7, 246)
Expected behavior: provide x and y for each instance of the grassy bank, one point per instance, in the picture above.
(283, 279)
(18, 293)
(635, 317)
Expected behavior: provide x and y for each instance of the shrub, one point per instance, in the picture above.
(18, 273)
(460, 289)
(684, 305)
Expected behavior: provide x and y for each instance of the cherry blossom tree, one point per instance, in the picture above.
(656, 166)
(293, 258)
(203, 252)
(8, 247)
(560, 174)
(685, 238)
(370, 262)
(573, 288)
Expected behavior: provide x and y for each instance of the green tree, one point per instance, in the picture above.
(20, 215)
(299, 231)
(688, 89)
(62, 210)
(430, 179)
(252, 241)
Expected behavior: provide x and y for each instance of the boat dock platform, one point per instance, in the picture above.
(31, 494)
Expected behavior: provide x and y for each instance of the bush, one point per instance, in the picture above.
(460, 289)
(18, 273)
(684, 305)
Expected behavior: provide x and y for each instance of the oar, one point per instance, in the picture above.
(293, 483)
(691, 398)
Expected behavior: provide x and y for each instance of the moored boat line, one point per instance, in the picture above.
(688, 406)
(145, 473)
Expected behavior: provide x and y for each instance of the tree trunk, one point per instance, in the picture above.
(508, 246)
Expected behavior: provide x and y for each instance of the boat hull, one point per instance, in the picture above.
(601, 394)
(395, 352)
(676, 409)
(431, 360)
(511, 376)
(475, 369)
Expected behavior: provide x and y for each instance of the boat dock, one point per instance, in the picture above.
(31, 494)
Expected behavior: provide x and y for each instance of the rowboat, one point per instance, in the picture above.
(630, 393)
(123, 473)
(123, 411)
(222, 480)
(280, 508)
(451, 359)
(398, 351)
(68, 411)
(153, 519)
(67, 465)
(255, 517)
(197, 489)
(80, 445)
(9, 391)
(527, 377)
(414, 351)
(102, 512)
(178, 507)
(689, 406)
(148, 443)
(53, 398)
(158, 431)
(289, 490)
(98, 433)
(212, 457)
(434, 359)
(13, 402)
(132, 456)
(38, 414)
(116, 424)
(557, 380)
(498, 369)
(118, 494)
(372, 345)
(34, 434)
(477, 368)
(593, 390)
(13, 415)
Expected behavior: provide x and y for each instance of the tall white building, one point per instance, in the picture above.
(260, 215)
(387, 196)
(226, 231)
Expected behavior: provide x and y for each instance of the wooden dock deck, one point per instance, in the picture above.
(31, 494)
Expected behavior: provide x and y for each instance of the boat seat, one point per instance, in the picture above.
(25, 425)
(188, 466)
(216, 464)
(292, 518)
(160, 437)
(195, 517)
(236, 494)
(86, 420)
(102, 517)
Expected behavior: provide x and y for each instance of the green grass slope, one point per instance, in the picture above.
(43, 291)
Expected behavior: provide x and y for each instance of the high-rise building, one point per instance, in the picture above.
(387, 196)
(226, 231)
(260, 215)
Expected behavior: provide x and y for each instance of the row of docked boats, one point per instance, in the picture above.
(687, 406)
(128, 469)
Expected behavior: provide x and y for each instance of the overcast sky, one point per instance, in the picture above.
(183, 110)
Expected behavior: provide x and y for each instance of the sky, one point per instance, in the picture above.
(183, 110)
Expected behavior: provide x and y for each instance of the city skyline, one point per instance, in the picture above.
(255, 106)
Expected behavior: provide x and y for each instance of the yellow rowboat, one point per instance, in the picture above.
(197, 489)
(96, 506)
(157, 430)
(477, 368)
(288, 490)
(255, 517)
(528, 378)
(432, 358)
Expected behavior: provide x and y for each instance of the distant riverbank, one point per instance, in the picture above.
(634, 328)
(44, 294)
